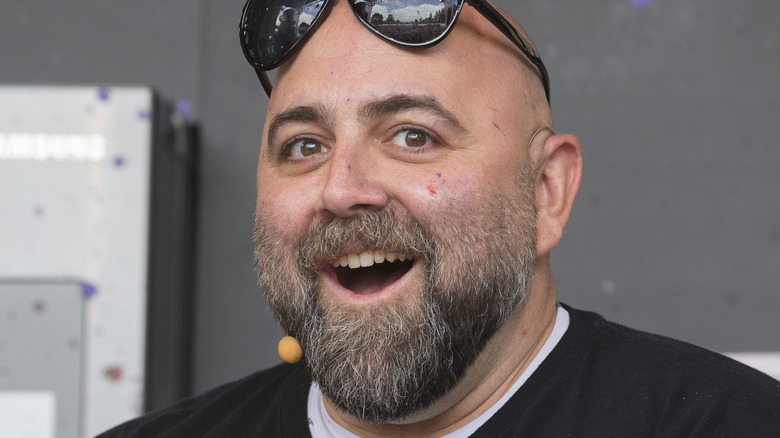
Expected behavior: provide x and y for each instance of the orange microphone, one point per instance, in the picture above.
(290, 350)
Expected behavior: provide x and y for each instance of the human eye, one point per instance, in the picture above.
(414, 138)
(303, 148)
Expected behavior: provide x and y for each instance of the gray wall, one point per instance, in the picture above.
(677, 103)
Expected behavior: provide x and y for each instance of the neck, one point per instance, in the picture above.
(505, 357)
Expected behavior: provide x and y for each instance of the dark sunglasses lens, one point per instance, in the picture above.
(271, 28)
(409, 22)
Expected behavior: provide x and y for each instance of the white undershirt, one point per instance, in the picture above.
(321, 425)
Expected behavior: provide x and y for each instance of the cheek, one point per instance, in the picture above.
(276, 237)
(452, 189)
(293, 201)
(445, 202)
(459, 207)
(281, 215)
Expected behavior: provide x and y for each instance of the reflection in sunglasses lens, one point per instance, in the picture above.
(411, 22)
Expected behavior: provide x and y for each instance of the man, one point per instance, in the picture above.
(408, 201)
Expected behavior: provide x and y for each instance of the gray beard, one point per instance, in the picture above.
(384, 362)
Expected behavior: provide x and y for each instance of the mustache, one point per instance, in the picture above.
(390, 229)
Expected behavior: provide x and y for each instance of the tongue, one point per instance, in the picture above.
(366, 281)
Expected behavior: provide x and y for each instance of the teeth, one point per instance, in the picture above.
(354, 261)
(368, 258)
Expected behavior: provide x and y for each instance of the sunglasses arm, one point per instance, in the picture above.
(264, 81)
(509, 31)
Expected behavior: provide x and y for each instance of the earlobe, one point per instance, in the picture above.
(559, 174)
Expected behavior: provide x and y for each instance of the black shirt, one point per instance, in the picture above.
(601, 380)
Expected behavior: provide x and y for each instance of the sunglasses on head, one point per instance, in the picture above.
(271, 30)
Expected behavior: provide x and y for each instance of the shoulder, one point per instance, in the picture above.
(637, 350)
(605, 379)
(273, 399)
(685, 388)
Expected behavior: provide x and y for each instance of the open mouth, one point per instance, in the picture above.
(371, 271)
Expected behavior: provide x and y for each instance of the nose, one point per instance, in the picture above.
(352, 186)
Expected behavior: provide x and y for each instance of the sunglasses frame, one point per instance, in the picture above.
(482, 6)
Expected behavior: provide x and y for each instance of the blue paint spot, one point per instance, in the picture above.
(104, 93)
(184, 107)
(641, 4)
(438, 174)
(119, 161)
(349, 167)
(433, 99)
(348, 99)
(88, 290)
(144, 115)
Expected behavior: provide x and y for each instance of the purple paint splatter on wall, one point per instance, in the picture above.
(145, 115)
(184, 108)
(119, 161)
(88, 290)
(104, 93)
(641, 3)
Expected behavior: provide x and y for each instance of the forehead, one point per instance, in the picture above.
(343, 62)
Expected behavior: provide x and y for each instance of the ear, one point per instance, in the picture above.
(559, 174)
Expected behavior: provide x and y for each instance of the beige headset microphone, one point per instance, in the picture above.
(290, 350)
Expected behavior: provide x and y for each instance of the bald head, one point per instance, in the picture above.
(475, 64)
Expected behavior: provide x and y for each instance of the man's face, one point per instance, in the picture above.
(373, 153)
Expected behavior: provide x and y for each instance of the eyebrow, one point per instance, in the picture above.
(304, 113)
(403, 102)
